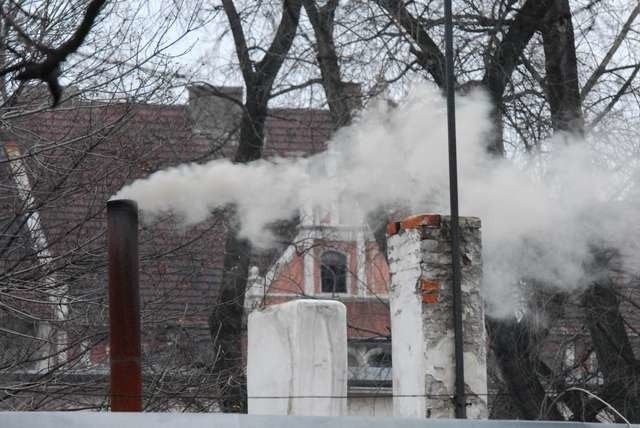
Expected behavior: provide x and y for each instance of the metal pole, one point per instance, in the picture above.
(124, 306)
(460, 400)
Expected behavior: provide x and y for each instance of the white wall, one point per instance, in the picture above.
(362, 405)
(297, 359)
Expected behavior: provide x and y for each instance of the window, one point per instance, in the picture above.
(370, 363)
(352, 360)
(380, 359)
(333, 272)
(22, 348)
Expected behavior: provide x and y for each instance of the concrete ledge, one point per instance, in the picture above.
(207, 420)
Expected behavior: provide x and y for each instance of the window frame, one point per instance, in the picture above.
(347, 274)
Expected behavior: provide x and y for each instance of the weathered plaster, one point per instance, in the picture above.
(421, 303)
(407, 346)
(297, 359)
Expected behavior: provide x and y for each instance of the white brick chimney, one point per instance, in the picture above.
(421, 304)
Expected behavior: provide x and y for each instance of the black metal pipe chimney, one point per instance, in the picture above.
(124, 306)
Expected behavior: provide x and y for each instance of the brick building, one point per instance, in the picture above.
(337, 258)
(58, 170)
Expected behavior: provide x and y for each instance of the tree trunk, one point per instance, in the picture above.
(322, 21)
(610, 341)
(501, 64)
(561, 67)
(226, 323)
(511, 343)
(252, 129)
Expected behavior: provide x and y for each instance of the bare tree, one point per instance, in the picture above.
(57, 169)
(226, 321)
(528, 63)
(48, 69)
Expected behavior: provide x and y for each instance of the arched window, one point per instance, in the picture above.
(333, 272)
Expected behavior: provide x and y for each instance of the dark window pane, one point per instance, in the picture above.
(333, 272)
(352, 361)
(382, 359)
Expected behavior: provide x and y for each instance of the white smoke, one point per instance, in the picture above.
(536, 223)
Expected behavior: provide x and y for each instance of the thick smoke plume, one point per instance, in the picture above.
(538, 223)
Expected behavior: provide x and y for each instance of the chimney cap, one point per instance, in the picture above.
(421, 221)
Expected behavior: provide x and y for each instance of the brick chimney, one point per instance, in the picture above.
(421, 305)
(215, 111)
(353, 92)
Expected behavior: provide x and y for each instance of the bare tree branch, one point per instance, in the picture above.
(602, 67)
(322, 21)
(235, 24)
(429, 56)
(615, 98)
(48, 70)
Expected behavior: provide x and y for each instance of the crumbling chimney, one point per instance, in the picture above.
(353, 93)
(215, 111)
(421, 305)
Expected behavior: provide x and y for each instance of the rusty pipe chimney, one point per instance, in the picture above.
(124, 306)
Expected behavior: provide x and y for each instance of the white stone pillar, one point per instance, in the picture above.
(421, 304)
(297, 359)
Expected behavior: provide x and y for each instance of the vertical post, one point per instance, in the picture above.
(124, 306)
(461, 411)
